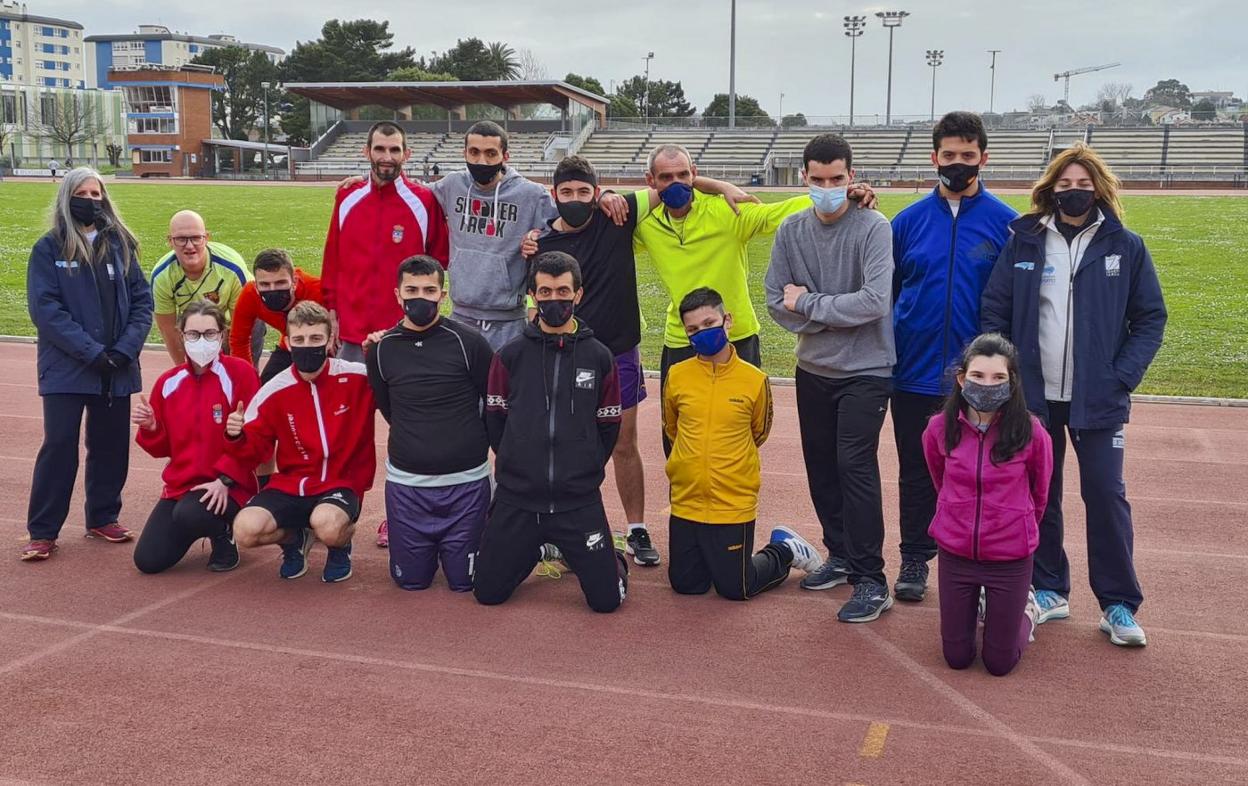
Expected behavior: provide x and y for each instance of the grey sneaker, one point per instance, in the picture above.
(1123, 630)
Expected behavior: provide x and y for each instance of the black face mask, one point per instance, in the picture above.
(484, 174)
(957, 177)
(556, 313)
(1076, 201)
(574, 214)
(277, 299)
(420, 311)
(309, 359)
(86, 210)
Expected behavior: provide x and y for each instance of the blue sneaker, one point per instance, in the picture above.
(832, 573)
(868, 602)
(295, 555)
(337, 565)
(805, 558)
(1123, 630)
(1052, 606)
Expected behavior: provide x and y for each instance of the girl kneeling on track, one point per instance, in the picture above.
(185, 422)
(991, 462)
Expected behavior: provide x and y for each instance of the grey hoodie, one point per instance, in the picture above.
(487, 271)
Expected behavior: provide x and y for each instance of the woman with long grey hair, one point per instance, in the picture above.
(92, 310)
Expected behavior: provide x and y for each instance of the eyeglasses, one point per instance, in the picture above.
(188, 240)
(196, 335)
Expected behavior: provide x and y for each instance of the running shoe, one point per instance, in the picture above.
(868, 602)
(337, 565)
(224, 555)
(639, 547)
(1120, 624)
(982, 610)
(805, 558)
(38, 549)
(113, 533)
(295, 555)
(832, 573)
(1052, 606)
(550, 562)
(1032, 610)
(383, 534)
(911, 580)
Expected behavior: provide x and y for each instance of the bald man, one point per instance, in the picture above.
(197, 269)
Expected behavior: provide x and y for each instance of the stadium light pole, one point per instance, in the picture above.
(645, 101)
(891, 20)
(732, 69)
(854, 27)
(992, 80)
(934, 59)
(265, 87)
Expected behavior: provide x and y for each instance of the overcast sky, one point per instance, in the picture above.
(782, 45)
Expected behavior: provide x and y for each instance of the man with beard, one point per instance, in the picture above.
(376, 224)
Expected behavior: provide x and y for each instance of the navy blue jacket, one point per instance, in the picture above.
(941, 265)
(64, 304)
(1119, 315)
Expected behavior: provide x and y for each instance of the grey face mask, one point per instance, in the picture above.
(986, 398)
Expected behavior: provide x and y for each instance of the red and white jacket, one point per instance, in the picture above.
(371, 231)
(190, 412)
(323, 431)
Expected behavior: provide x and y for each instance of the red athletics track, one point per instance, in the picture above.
(191, 677)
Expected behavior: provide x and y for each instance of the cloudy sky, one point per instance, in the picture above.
(782, 45)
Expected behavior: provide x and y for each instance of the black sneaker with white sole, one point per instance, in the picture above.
(641, 549)
(224, 554)
(868, 602)
(911, 581)
(832, 573)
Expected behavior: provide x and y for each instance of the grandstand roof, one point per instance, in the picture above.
(448, 95)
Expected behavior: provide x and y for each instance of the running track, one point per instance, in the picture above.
(107, 676)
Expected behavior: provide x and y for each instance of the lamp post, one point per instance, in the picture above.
(645, 101)
(780, 111)
(934, 59)
(992, 81)
(891, 20)
(265, 87)
(732, 69)
(854, 27)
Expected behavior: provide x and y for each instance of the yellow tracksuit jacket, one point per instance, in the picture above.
(716, 416)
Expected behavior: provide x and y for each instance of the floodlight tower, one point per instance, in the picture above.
(854, 27)
(891, 20)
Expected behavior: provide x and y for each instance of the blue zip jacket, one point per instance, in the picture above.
(941, 265)
(64, 304)
(1119, 313)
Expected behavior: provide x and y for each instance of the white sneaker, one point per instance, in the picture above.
(1032, 610)
(1052, 606)
(805, 558)
(1122, 628)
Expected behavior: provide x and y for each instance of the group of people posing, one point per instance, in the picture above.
(990, 336)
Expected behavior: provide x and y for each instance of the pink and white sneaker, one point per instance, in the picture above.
(113, 533)
(383, 535)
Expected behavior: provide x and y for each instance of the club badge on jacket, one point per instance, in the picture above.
(396, 234)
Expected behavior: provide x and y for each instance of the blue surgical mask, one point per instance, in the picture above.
(709, 341)
(828, 200)
(677, 195)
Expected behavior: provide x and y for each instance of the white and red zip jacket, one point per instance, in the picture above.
(323, 431)
(373, 229)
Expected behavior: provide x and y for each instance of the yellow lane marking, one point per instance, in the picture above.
(873, 744)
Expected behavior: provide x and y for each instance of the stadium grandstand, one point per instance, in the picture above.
(1152, 155)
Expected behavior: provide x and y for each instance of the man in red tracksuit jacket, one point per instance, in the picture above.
(319, 415)
(376, 224)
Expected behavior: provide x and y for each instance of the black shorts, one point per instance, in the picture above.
(293, 512)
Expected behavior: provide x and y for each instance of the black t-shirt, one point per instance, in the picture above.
(609, 275)
(430, 387)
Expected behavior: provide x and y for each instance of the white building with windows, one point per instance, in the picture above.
(42, 124)
(155, 45)
(40, 50)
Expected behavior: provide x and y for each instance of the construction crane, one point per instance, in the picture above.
(1075, 72)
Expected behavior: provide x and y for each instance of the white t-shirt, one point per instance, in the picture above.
(954, 204)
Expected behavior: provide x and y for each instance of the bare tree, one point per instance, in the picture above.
(69, 119)
(531, 69)
(1036, 103)
(114, 151)
(1113, 94)
(7, 134)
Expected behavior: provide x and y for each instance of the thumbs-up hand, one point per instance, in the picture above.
(234, 423)
(142, 416)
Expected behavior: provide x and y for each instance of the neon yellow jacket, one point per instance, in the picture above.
(708, 249)
(716, 416)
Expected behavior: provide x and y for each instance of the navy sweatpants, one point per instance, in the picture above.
(1111, 536)
(432, 525)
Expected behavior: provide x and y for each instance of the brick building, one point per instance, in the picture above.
(169, 113)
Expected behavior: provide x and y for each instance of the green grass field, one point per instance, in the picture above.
(1200, 245)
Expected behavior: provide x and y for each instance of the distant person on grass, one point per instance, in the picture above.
(1078, 294)
(276, 287)
(429, 376)
(830, 282)
(92, 310)
(184, 421)
(990, 461)
(320, 416)
(717, 412)
(197, 268)
(553, 414)
(944, 246)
